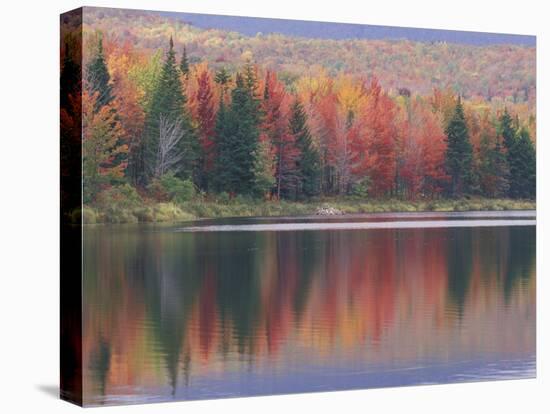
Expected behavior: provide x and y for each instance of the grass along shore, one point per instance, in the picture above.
(151, 212)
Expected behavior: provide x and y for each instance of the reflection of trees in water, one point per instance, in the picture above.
(521, 258)
(508, 255)
(459, 265)
(205, 296)
(100, 359)
(238, 273)
(501, 253)
(308, 245)
(172, 278)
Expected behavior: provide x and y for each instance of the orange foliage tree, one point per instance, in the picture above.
(374, 145)
(103, 153)
(422, 155)
(203, 103)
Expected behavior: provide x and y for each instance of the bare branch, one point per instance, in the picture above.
(168, 154)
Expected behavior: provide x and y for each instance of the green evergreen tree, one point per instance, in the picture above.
(222, 160)
(493, 169)
(250, 84)
(98, 78)
(309, 163)
(237, 134)
(222, 78)
(169, 101)
(184, 63)
(501, 170)
(250, 80)
(507, 130)
(459, 156)
(522, 166)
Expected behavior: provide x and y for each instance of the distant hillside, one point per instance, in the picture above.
(490, 72)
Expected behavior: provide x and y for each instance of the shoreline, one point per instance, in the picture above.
(170, 212)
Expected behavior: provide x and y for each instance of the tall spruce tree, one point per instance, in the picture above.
(250, 79)
(507, 130)
(237, 134)
(169, 101)
(459, 155)
(309, 163)
(501, 170)
(104, 115)
(98, 78)
(184, 63)
(222, 149)
(522, 166)
(493, 168)
(222, 78)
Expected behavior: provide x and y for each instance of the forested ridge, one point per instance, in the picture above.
(174, 124)
(483, 73)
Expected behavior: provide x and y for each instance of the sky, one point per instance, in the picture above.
(250, 26)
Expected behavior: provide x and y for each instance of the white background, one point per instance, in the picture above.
(29, 254)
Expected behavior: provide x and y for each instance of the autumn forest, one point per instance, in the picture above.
(173, 124)
(257, 206)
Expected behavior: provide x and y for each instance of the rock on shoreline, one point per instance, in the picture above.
(328, 211)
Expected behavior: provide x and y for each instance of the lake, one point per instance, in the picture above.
(243, 307)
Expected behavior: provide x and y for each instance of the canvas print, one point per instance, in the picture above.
(262, 206)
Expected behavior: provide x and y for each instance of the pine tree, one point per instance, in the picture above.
(222, 150)
(169, 98)
(222, 78)
(250, 84)
(206, 121)
(309, 163)
(237, 136)
(501, 170)
(99, 87)
(169, 102)
(493, 167)
(184, 63)
(507, 130)
(250, 79)
(459, 156)
(522, 166)
(98, 78)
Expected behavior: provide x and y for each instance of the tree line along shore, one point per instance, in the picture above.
(167, 140)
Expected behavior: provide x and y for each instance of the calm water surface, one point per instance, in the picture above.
(223, 308)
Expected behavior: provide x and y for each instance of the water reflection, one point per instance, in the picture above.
(172, 315)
